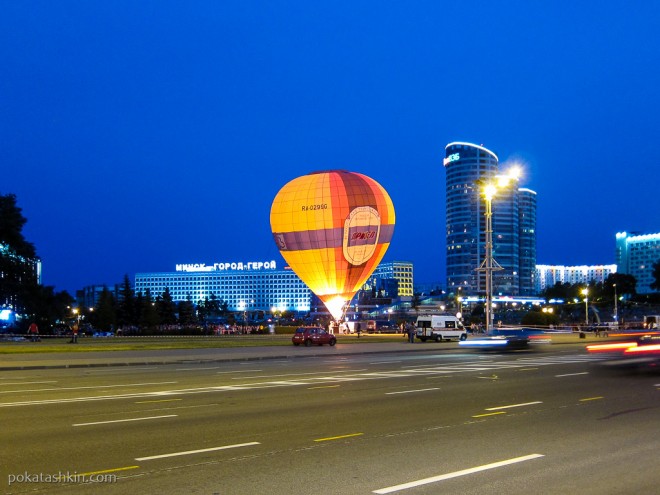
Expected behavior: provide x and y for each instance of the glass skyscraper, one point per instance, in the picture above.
(467, 166)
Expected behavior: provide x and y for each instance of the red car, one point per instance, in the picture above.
(313, 335)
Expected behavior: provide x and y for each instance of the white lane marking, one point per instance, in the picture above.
(309, 380)
(200, 451)
(125, 420)
(572, 374)
(196, 369)
(236, 371)
(27, 383)
(513, 405)
(384, 362)
(456, 474)
(57, 389)
(412, 391)
(294, 374)
(121, 370)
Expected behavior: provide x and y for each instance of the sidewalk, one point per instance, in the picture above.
(196, 356)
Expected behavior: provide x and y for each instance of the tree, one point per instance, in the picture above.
(126, 306)
(166, 308)
(625, 285)
(536, 317)
(46, 307)
(105, 313)
(147, 312)
(18, 274)
(186, 310)
(655, 285)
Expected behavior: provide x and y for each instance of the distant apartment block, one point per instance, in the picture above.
(549, 275)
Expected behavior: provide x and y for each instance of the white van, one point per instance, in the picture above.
(439, 327)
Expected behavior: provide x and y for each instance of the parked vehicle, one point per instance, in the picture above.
(313, 335)
(652, 322)
(439, 327)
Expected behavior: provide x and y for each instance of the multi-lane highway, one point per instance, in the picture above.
(442, 421)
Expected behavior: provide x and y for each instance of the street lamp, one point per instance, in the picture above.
(586, 306)
(489, 264)
(616, 312)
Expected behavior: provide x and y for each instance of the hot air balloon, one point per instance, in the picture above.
(333, 228)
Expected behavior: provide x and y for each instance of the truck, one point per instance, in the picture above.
(439, 328)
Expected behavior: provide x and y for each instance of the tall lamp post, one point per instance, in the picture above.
(586, 306)
(616, 312)
(489, 265)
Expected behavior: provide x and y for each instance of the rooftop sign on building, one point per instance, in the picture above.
(217, 267)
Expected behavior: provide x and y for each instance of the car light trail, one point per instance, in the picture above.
(617, 346)
(643, 349)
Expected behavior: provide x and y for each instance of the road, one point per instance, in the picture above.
(440, 421)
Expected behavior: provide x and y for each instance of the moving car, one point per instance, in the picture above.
(633, 351)
(497, 342)
(313, 335)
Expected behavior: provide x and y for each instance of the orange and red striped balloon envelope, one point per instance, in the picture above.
(333, 228)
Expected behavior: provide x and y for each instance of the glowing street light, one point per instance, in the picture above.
(586, 306)
(489, 265)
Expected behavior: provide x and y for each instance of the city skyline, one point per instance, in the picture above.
(136, 138)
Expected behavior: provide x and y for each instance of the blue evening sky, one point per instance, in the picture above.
(141, 134)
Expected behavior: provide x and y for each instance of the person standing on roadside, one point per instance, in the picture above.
(34, 332)
(411, 333)
(74, 333)
(358, 329)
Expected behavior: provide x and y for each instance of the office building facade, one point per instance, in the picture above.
(635, 255)
(255, 286)
(394, 278)
(467, 167)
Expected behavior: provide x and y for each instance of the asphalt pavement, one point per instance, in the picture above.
(23, 361)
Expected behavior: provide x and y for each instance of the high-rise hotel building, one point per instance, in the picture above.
(467, 166)
(635, 255)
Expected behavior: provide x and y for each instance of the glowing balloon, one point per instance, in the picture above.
(333, 228)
